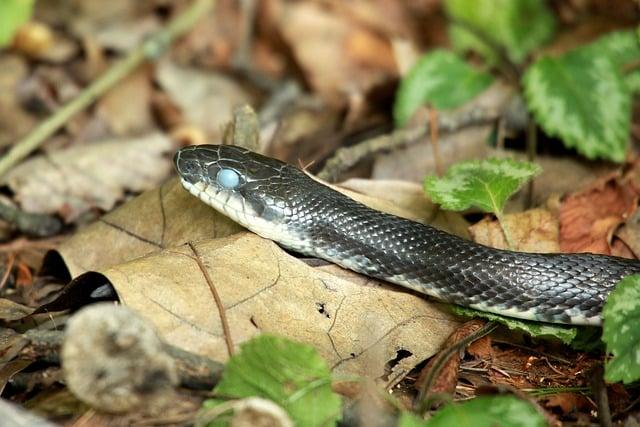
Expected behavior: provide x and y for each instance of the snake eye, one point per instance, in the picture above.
(228, 178)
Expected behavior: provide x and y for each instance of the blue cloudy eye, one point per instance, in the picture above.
(228, 178)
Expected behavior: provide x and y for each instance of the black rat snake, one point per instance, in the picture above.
(282, 203)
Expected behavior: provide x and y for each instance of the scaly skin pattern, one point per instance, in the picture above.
(282, 203)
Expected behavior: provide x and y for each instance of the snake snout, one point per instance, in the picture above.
(188, 165)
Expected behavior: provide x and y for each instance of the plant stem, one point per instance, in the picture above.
(532, 143)
(505, 232)
(149, 49)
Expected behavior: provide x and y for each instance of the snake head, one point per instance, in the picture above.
(236, 182)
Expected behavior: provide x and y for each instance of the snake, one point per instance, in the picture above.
(283, 203)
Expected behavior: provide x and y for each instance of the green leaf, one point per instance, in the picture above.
(620, 331)
(441, 79)
(408, 419)
(566, 334)
(13, 13)
(581, 98)
(518, 26)
(486, 184)
(623, 49)
(488, 411)
(291, 374)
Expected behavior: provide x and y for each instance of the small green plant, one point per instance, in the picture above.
(583, 96)
(620, 331)
(13, 13)
(504, 411)
(423, 86)
(485, 184)
(293, 376)
(288, 373)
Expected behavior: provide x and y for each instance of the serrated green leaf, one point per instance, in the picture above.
(566, 334)
(620, 331)
(581, 98)
(488, 411)
(291, 374)
(519, 26)
(486, 184)
(623, 48)
(441, 79)
(13, 13)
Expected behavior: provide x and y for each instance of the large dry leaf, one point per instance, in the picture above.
(73, 181)
(355, 322)
(207, 99)
(259, 283)
(158, 219)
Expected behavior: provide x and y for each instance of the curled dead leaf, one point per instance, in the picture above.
(589, 218)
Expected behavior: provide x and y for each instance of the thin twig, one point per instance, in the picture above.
(5, 276)
(532, 143)
(214, 291)
(347, 157)
(149, 49)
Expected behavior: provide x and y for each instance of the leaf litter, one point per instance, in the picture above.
(183, 96)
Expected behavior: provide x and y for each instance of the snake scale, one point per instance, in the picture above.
(282, 203)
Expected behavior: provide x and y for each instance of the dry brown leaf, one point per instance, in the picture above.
(447, 378)
(356, 323)
(589, 218)
(567, 402)
(125, 108)
(73, 181)
(318, 37)
(481, 349)
(158, 219)
(535, 230)
(207, 99)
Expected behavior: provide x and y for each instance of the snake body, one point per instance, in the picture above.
(282, 203)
